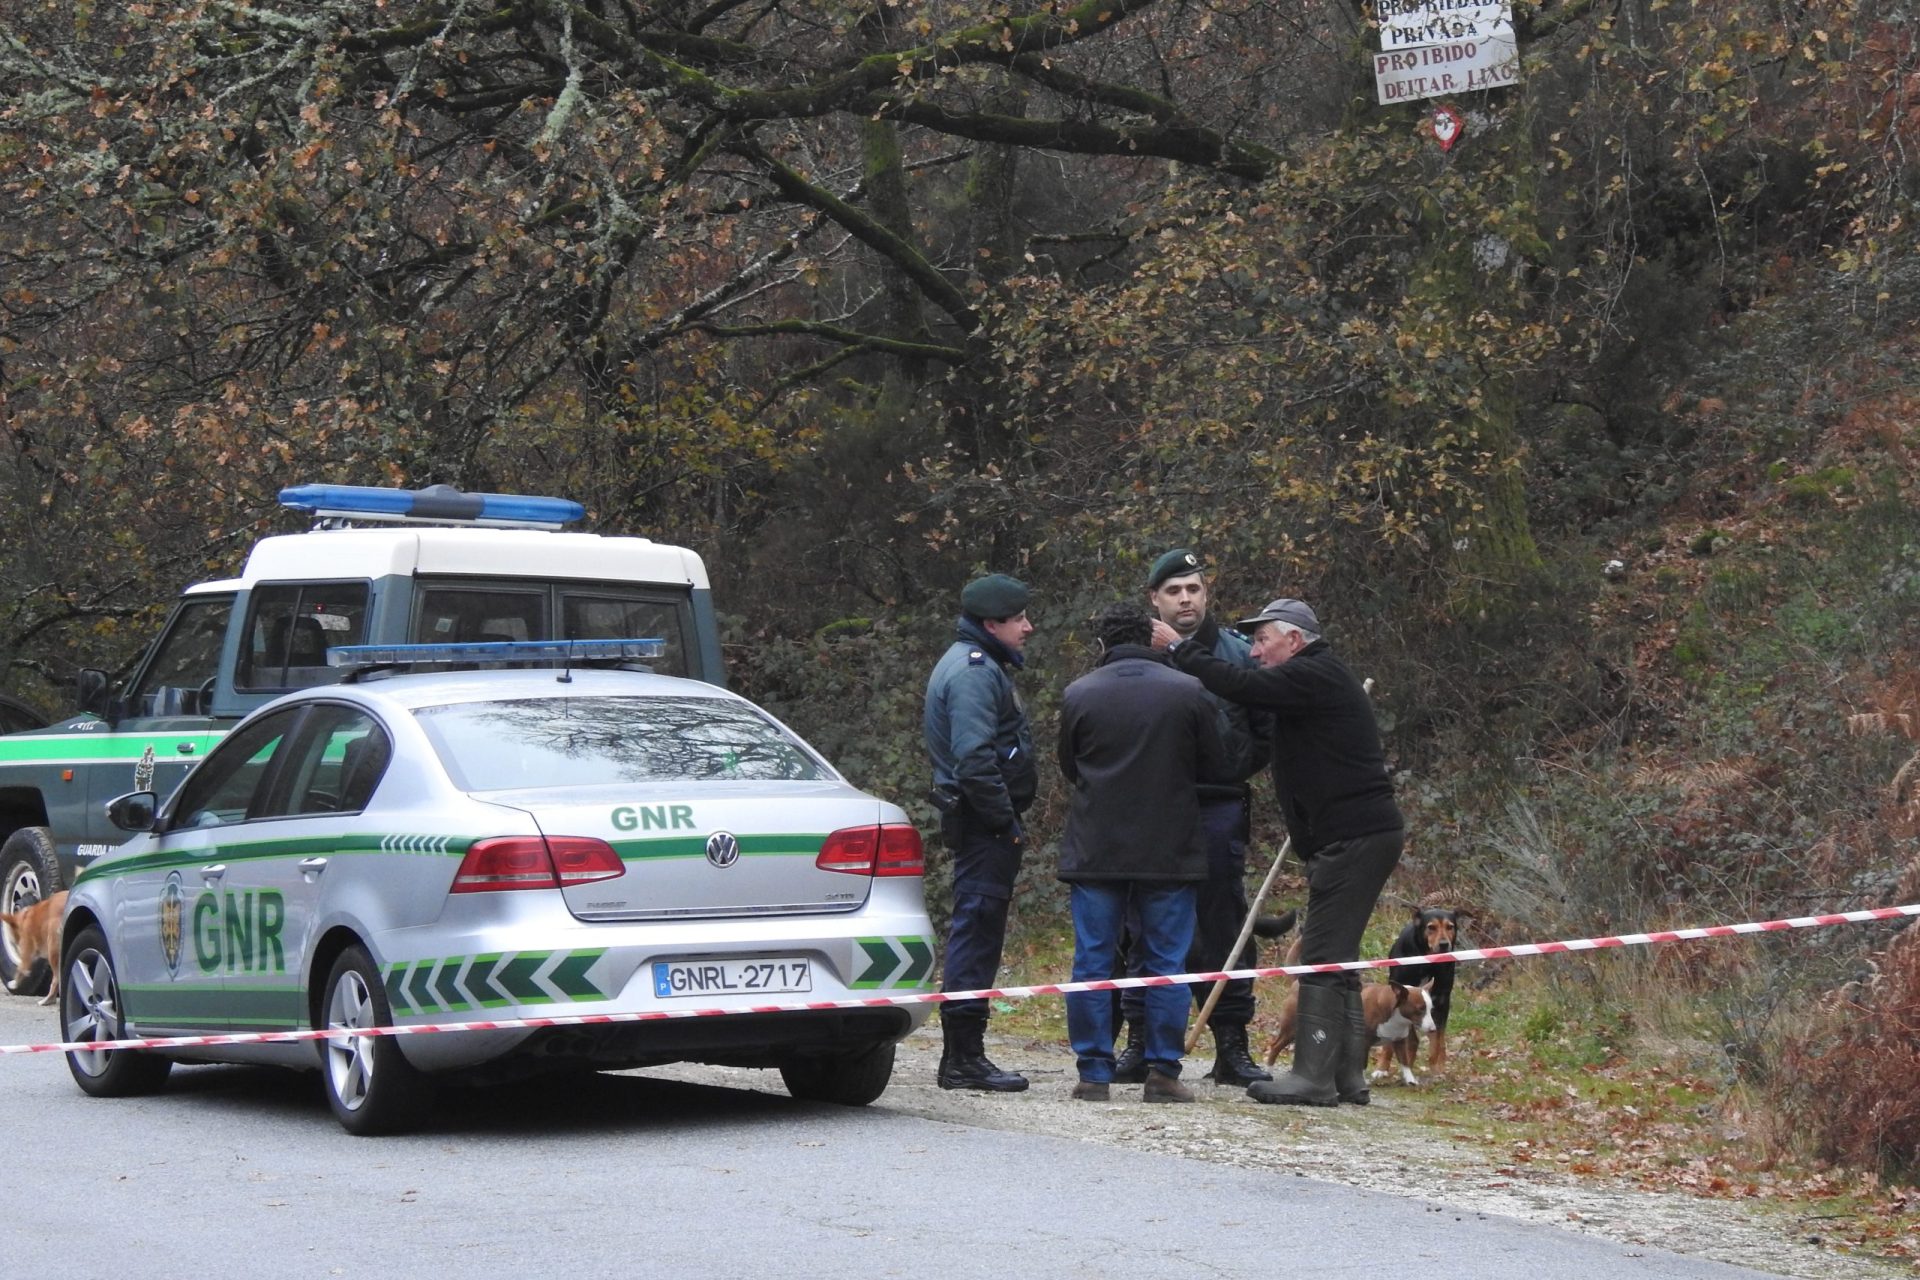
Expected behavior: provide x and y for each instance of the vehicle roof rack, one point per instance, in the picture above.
(338, 505)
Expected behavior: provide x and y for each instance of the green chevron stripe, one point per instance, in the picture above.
(882, 961)
(919, 962)
(516, 978)
(445, 986)
(396, 980)
(570, 976)
(419, 995)
(480, 985)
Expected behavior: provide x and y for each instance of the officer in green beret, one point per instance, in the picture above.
(1177, 596)
(983, 780)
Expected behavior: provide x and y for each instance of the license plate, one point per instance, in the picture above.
(784, 975)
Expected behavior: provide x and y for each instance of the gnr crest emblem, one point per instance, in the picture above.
(172, 903)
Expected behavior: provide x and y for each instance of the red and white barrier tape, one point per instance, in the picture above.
(1008, 993)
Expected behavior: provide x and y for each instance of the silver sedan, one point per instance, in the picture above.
(502, 844)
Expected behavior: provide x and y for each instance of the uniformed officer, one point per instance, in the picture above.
(1177, 594)
(983, 779)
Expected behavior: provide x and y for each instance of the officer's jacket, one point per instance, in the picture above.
(1136, 739)
(976, 729)
(1246, 732)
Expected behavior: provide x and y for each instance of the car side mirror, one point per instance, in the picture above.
(90, 691)
(134, 811)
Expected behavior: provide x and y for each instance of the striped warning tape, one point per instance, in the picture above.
(1008, 993)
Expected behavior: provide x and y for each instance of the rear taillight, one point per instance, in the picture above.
(582, 859)
(890, 850)
(529, 862)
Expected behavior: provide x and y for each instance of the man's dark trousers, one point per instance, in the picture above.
(984, 866)
(1220, 913)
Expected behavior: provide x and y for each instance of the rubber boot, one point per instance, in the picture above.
(964, 1063)
(1350, 1073)
(1232, 1062)
(1131, 1066)
(1319, 1033)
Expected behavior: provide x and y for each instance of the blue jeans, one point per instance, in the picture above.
(1220, 909)
(1166, 931)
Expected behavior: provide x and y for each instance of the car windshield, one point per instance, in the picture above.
(588, 741)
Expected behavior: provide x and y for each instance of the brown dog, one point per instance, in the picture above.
(1394, 1013)
(36, 936)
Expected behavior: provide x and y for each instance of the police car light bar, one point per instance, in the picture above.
(436, 504)
(490, 652)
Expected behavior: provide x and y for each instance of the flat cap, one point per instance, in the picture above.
(1177, 563)
(994, 596)
(1295, 613)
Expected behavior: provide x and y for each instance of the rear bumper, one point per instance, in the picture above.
(437, 976)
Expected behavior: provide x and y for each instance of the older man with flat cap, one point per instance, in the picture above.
(1336, 795)
(983, 780)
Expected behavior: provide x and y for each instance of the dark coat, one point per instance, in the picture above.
(1329, 769)
(1136, 738)
(976, 729)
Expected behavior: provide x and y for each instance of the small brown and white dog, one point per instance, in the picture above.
(36, 936)
(1398, 1033)
(1393, 1012)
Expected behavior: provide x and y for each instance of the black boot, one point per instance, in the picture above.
(1232, 1063)
(1319, 1032)
(1131, 1066)
(1350, 1072)
(964, 1063)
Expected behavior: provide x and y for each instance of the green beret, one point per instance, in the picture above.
(1177, 563)
(994, 596)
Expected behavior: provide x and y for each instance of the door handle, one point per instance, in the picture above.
(184, 748)
(311, 867)
(213, 872)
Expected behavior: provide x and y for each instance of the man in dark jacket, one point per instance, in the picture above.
(1177, 593)
(1136, 739)
(1337, 798)
(983, 780)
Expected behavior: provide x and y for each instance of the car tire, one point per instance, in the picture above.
(848, 1079)
(29, 871)
(90, 1010)
(370, 1085)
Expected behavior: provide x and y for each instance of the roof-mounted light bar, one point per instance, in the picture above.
(436, 504)
(495, 652)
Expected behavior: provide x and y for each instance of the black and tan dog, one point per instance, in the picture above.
(1432, 931)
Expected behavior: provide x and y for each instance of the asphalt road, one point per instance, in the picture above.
(243, 1172)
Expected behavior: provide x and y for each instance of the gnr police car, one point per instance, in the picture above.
(382, 566)
(412, 846)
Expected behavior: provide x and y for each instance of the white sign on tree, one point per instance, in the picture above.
(1429, 48)
(1407, 24)
(1407, 75)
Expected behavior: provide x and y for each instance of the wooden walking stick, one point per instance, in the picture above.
(1246, 931)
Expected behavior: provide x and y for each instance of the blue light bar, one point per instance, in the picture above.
(494, 652)
(436, 504)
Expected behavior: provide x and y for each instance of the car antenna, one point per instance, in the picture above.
(566, 668)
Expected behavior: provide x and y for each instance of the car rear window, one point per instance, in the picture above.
(589, 741)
